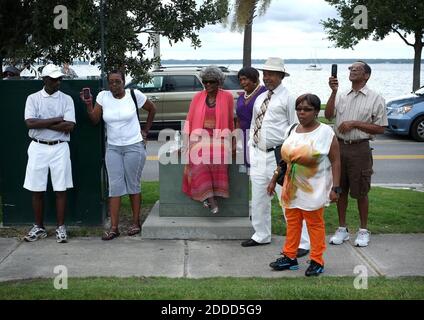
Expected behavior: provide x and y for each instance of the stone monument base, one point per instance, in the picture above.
(191, 228)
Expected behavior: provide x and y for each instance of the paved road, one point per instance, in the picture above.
(397, 160)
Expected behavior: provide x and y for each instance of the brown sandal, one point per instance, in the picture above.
(133, 230)
(111, 234)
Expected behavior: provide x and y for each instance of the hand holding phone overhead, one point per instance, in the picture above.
(334, 70)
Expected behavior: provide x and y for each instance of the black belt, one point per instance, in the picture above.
(352, 141)
(267, 150)
(50, 143)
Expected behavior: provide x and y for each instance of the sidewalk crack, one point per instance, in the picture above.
(368, 260)
(11, 251)
(186, 256)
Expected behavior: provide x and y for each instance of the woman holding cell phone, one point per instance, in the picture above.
(125, 149)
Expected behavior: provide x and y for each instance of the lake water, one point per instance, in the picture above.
(391, 80)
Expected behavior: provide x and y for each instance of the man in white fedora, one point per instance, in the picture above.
(50, 117)
(273, 112)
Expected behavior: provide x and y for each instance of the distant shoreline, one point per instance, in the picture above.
(288, 61)
(262, 61)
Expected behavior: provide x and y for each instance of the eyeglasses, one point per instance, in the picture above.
(205, 82)
(304, 109)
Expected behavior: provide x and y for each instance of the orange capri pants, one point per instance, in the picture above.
(316, 229)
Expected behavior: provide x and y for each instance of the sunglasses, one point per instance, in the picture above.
(205, 82)
(304, 109)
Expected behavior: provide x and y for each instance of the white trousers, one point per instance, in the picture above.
(262, 166)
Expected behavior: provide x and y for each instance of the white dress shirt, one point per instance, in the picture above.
(278, 117)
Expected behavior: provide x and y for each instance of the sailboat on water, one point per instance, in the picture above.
(314, 65)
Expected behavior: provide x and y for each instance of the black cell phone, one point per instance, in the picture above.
(334, 70)
(86, 93)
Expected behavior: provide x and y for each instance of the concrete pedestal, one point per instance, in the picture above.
(176, 216)
(194, 228)
(175, 203)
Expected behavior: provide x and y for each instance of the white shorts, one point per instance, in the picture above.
(41, 158)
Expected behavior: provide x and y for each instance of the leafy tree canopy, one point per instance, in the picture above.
(405, 18)
(28, 31)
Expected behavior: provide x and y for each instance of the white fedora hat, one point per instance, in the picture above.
(275, 64)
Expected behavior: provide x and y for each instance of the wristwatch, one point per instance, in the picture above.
(337, 190)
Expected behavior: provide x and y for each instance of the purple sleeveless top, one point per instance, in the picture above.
(244, 112)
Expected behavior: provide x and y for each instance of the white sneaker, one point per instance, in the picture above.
(363, 238)
(341, 235)
(35, 233)
(61, 236)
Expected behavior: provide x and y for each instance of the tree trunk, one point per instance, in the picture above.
(247, 46)
(418, 48)
(247, 42)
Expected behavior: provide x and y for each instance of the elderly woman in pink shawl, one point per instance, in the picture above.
(208, 128)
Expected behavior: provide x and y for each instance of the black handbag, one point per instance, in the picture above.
(281, 164)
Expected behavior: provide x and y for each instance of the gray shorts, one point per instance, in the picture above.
(124, 166)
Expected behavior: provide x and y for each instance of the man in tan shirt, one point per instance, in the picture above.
(359, 113)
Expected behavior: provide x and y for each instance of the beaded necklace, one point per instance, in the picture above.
(248, 96)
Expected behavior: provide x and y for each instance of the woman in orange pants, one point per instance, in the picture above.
(311, 152)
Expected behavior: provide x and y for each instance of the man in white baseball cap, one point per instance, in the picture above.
(273, 112)
(50, 117)
(51, 71)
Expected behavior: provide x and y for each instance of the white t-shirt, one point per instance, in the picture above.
(310, 179)
(41, 105)
(120, 116)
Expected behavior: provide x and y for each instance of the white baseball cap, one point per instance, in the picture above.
(52, 71)
(275, 64)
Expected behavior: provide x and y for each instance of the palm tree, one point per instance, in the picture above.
(244, 13)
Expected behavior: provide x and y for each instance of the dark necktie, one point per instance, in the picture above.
(260, 117)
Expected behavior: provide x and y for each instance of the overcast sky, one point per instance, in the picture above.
(290, 29)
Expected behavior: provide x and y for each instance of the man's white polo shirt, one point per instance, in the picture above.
(41, 105)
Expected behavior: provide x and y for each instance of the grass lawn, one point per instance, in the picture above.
(324, 120)
(391, 211)
(322, 288)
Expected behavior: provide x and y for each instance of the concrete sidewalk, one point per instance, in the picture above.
(389, 255)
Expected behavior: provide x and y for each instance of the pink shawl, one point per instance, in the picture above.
(224, 111)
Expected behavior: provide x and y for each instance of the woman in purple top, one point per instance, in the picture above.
(249, 81)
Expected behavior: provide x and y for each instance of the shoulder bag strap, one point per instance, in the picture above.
(135, 102)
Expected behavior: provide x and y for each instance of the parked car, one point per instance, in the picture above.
(172, 89)
(406, 115)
